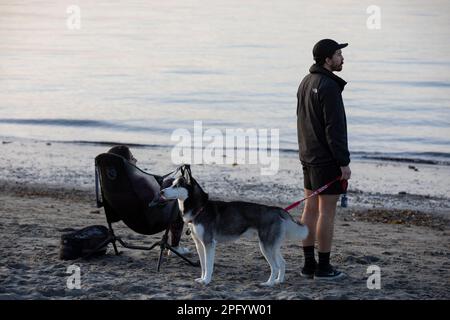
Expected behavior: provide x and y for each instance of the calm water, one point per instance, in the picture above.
(137, 70)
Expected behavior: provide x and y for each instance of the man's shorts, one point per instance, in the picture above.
(316, 177)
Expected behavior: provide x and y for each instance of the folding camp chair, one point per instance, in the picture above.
(131, 195)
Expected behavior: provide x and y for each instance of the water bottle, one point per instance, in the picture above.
(344, 201)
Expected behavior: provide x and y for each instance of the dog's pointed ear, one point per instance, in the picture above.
(181, 169)
(205, 197)
(188, 178)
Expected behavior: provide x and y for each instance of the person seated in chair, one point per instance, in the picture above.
(176, 229)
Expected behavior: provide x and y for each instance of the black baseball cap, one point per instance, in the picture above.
(325, 48)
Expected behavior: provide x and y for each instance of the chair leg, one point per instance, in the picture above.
(194, 264)
(113, 239)
(163, 244)
(160, 259)
(115, 248)
(154, 245)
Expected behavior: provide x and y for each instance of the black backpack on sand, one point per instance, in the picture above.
(83, 243)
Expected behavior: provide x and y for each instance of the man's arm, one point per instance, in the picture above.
(336, 125)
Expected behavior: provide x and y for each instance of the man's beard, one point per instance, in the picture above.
(338, 67)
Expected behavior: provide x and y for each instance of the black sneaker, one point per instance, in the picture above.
(329, 273)
(308, 271)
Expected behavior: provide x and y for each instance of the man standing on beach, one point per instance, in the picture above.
(323, 150)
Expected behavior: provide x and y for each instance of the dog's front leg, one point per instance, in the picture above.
(210, 250)
(201, 256)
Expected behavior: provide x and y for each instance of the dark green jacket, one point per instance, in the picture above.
(321, 121)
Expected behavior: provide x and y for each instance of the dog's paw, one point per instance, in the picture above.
(267, 284)
(278, 281)
(203, 281)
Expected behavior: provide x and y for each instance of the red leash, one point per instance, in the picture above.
(295, 204)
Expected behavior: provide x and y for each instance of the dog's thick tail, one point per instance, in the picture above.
(294, 230)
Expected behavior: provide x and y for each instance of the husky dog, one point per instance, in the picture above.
(213, 222)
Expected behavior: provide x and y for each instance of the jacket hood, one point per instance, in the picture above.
(315, 68)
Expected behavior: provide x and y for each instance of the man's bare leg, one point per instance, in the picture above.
(309, 217)
(325, 223)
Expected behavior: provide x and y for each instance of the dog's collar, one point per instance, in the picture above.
(196, 214)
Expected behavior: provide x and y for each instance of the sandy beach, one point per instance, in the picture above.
(404, 231)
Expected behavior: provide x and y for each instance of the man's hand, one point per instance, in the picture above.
(346, 173)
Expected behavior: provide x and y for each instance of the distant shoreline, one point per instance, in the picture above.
(431, 158)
